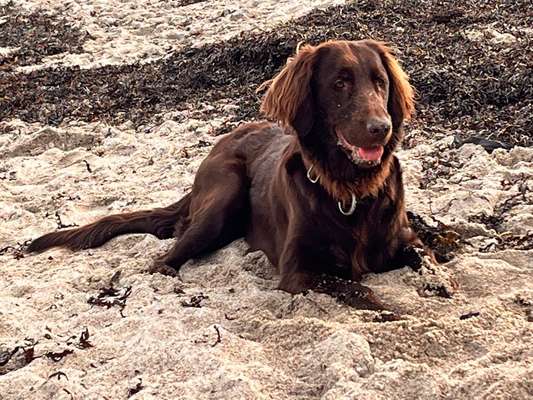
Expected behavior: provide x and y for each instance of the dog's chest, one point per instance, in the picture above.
(338, 238)
(350, 238)
(340, 255)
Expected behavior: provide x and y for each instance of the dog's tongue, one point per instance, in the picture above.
(370, 153)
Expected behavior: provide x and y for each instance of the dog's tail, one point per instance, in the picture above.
(159, 222)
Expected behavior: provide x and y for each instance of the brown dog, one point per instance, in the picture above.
(320, 193)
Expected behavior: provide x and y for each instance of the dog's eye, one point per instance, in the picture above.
(380, 82)
(340, 84)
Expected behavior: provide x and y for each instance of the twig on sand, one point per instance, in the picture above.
(58, 374)
(88, 166)
(219, 338)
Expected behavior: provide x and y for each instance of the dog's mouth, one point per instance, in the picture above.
(361, 156)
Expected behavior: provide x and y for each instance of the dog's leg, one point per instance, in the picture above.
(299, 273)
(218, 215)
(411, 252)
(159, 222)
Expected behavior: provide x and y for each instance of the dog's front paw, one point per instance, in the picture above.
(160, 267)
(297, 282)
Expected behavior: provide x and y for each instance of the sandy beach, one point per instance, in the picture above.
(95, 325)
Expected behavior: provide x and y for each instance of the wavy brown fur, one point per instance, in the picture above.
(290, 87)
(367, 185)
(159, 222)
(253, 183)
(289, 92)
(402, 100)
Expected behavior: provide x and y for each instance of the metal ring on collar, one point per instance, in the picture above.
(313, 180)
(352, 207)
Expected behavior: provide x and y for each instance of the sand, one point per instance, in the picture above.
(223, 331)
(123, 32)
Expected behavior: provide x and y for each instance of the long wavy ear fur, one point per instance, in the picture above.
(289, 99)
(401, 94)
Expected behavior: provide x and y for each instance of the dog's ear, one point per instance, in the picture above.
(401, 94)
(289, 99)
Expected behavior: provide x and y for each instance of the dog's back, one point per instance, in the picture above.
(253, 147)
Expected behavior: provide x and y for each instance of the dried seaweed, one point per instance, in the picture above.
(443, 240)
(488, 145)
(36, 35)
(111, 297)
(470, 315)
(195, 301)
(59, 221)
(348, 292)
(386, 316)
(58, 375)
(184, 3)
(229, 317)
(435, 289)
(17, 251)
(57, 356)
(471, 86)
(516, 242)
(495, 221)
(82, 341)
(88, 166)
(501, 211)
(16, 358)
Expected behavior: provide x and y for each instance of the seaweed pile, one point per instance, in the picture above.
(470, 86)
(37, 36)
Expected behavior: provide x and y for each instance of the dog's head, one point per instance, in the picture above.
(350, 97)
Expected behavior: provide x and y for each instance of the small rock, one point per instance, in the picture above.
(175, 35)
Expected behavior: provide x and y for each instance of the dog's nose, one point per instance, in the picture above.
(378, 127)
